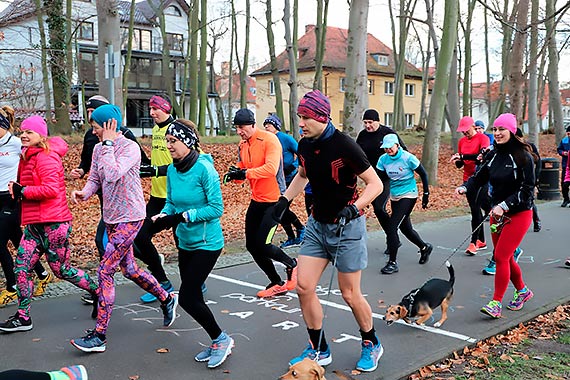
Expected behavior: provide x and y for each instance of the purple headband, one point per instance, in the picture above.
(316, 106)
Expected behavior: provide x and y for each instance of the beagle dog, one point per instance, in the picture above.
(420, 302)
(306, 369)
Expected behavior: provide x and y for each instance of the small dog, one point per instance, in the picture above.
(306, 369)
(419, 303)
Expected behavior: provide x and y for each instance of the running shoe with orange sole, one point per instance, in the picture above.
(273, 290)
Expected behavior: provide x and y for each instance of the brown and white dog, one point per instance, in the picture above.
(420, 302)
(306, 369)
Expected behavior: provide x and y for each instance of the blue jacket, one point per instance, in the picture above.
(197, 191)
(564, 146)
(290, 161)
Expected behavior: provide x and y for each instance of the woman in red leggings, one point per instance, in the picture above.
(509, 168)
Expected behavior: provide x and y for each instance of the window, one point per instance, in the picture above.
(271, 87)
(175, 41)
(381, 59)
(173, 11)
(142, 39)
(86, 31)
(371, 86)
(410, 120)
(410, 89)
(388, 88)
(388, 117)
(342, 84)
(87, 64)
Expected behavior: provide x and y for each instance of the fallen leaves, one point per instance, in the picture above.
(163, 350)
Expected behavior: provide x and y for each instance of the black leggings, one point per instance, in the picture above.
(20, 374)
(146, 251)
(400, 219)
(195, 266)
(379, 205)
(10, 231)
(478, 200)
(256, 230)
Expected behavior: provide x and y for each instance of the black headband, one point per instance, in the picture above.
(183, 133)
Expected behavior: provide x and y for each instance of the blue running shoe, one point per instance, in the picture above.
(204, 355)
(301, 234)
(220, 349)
(518, 253)
(149, 298)
(169, 310)
(204, 288)
(75, 372)
(290, 243)
(370, 356)
(325, 358)
(91, 342)
(491, 268)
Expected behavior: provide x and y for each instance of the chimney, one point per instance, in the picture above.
(309, 28)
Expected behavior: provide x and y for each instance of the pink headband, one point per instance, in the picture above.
(160, 103)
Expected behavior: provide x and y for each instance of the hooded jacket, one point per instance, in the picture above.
(41, 173)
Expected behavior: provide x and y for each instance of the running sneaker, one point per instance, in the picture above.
(491, 268)
(149, 298)
(204, 355)
(92, 342)
(537, 226)
(41, 286)
(480, 245)
(518, 254)
(169, 310)
(471, 250)
(273, 290)
(369, 356)
(220, 349)
(324, 357)
(567, 262)
(519, 299)
(301, 234)
(291, 282)
(204, 288)
(290, 243)
(87, 299)
(7, 297)
(492, 309)
(425, 252)
(75, 372)
(16, 323)
(390, 267)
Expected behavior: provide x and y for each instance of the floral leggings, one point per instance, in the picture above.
(53, 240)
(119, 253)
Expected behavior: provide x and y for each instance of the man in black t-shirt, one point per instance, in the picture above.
(332, 162)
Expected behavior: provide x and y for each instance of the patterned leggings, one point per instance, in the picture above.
(53, 240)
(119, 253)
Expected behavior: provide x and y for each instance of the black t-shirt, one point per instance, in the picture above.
(370, 143)
(332, 167)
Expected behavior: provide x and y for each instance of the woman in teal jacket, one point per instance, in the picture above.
(194, 203)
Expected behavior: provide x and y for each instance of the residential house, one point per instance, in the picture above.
(380, 67)
(20, 54)
(222, 88)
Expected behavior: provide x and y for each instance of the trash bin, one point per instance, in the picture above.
(549, 179)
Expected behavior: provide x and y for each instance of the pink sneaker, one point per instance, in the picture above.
(519, 299)
(75, 372)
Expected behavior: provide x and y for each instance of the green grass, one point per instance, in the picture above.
(564, 338)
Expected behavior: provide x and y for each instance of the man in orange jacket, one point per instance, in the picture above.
(260, 162)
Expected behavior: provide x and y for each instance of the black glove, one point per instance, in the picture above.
(234, 173)
(17, 191)
(279, 209)
(166, 222)
(148, 171)
(348, 213)
(425, 200)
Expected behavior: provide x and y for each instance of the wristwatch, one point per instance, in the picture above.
(108, 143)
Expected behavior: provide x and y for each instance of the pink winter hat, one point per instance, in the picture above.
(465, 124)
(507, 121)
(36, 124)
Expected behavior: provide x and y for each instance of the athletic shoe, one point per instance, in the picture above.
(220, 349)
(480, 245)
(7, 297)
(290, 243)
(301, 234)
(325, 357)
(204, 288)
(471, 250)
(565, 203)
(369, 356)
(41, 285)
(204, 355)
(16, 323)
(537, 226)
(75, 372)
(425, 252)
(519, 299)
(169, 310)
(149, 298)
(390, 267)
(491, 268)
(387, 251)
(273, 290)
(567, 262)
(518, 254)
(492, 309)
(91, 342)
(291, 282)
(87, 299)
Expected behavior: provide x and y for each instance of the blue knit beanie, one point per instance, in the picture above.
(273, 120)
(105, 113)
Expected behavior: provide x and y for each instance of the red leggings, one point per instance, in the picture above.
(505, 243)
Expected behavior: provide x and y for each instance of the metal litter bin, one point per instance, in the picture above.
(549, 179)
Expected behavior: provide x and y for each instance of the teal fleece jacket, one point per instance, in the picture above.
(198, 192)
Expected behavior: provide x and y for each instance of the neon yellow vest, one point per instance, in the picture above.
(159, 156)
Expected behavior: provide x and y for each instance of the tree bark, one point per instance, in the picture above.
(127, 67)
(321, 38)
(45, 71)
(553, 85)
(203, 80)
(193, 63)
(291, 42)
(245, 63)
(516, 59)
(533, 77)
(273, 61)
(467, 61)
(109, 33)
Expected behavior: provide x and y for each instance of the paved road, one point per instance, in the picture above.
(269, 332)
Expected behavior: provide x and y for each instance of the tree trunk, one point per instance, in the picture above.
(109, 33)
(453, 112)
(356, 94)
(437, 105)
(533, 77)
(203, 81)
(467, 61)
(273, 61)
(45, 71)
(231, 67)
(553, 86)
(321, 38)
(127, 67)
(57, 49)
(245, 63)
(193, 65)
(499, 106)
(487, 66)
(69, 50)
(291, 42)
(516, 59)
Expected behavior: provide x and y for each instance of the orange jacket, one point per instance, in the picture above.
(261, 155)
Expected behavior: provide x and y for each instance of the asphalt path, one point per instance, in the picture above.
(270, 332)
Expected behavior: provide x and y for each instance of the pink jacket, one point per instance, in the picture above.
(42, 174)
